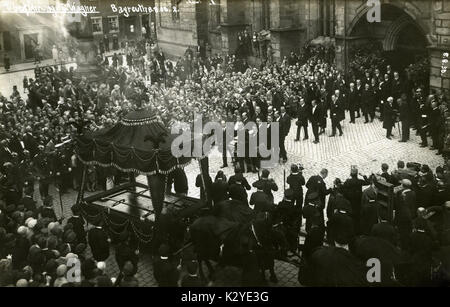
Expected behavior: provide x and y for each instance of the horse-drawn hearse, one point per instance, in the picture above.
(139, 147)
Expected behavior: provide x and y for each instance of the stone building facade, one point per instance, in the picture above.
(407, 27)
(115, 24)
(20, 34)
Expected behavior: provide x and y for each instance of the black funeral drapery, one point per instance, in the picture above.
(139, 143)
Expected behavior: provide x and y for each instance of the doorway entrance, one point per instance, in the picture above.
(29, 42)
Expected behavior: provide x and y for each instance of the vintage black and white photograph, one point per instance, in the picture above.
(224, 143)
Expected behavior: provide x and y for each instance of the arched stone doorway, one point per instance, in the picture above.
(399, 35)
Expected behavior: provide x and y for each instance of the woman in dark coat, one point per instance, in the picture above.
(389, 117)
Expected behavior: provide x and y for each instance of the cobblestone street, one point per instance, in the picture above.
(362, 144)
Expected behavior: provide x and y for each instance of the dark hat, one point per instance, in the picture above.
(265, 173)
(425, 168)
(294, 168)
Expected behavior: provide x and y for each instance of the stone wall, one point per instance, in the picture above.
(17, 25)
(440, 77)
(175, 35)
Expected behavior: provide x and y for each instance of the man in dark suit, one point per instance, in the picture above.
(353, 192)
(296, 182)
(405, 118)
(219, 190)
(353, 102)
(302, 119)
(164, 270)
(291, 219)
(27, 201)
(405, 211)
(424, 123)
(385, 92)
(237, 190)
(30, 142)
(267, 185)
(285, 126)
(336, 115)
(389, 117)
(192, 279)
(17, 145)
(99, 243)
(316, 184)
(78, 223)
(359, 90)
(238, 174)
(436, 125)
(42, 169)
(259, 200)
(315, 120)
(397, 88)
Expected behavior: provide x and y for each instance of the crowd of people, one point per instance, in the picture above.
(36, 149)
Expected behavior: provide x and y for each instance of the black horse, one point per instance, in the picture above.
(234, 235)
